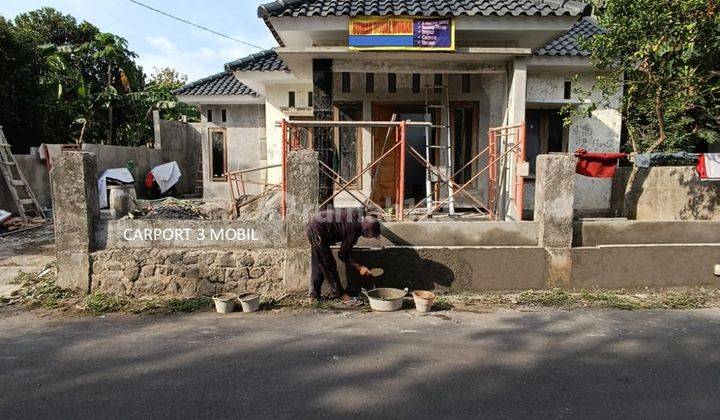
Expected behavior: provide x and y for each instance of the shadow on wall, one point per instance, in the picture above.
(667, 193)
(404, 267)
(507, 366)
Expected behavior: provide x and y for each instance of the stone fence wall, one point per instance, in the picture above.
(107, 256)
(188, 273)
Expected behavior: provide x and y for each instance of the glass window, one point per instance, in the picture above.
(218, 158)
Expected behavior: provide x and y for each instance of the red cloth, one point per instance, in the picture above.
(597, 165)
(701, 168)
(149, 180)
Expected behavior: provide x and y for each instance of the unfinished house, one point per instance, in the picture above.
(477, 77)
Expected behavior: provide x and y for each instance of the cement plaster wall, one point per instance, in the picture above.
(246, 148)
(452, 268)
(277, 109)
(619, 232)
(668, 193)
(457, 234)
(598, 133)
(36, 174)
(630, 266)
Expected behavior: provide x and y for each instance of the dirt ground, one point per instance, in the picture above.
(27, 251)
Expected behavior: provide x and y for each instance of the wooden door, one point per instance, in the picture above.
(384, 176)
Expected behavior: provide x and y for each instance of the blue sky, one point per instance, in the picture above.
(161, 41)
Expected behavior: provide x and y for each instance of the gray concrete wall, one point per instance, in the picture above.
(622, 232)
(668, 193)
(636, 266)
(36, 174)
(457, 234)
(182, 141)
(600, 132)
(177, 142)
(246, 148)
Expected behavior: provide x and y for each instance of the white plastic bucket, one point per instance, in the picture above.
(225, 302)
(250, 302)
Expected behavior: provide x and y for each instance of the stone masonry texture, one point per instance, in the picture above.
(187, 272)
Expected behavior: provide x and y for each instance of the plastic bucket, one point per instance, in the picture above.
(424, 300)
(225, 302)
(250, 303)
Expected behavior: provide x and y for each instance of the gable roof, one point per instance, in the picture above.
(221, 84)
(263, 61)
(307, 8)
(568, 43)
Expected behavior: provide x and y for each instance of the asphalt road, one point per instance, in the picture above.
(583, 364)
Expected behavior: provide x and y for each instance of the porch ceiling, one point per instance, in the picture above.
(464, 60)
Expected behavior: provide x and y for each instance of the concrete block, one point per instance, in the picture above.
(302, 195)
(75, 198)
(554, 199)
(297, 269)
(558, 267)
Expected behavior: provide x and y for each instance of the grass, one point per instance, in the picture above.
(100, 303)
(189, 305)
(552, 298)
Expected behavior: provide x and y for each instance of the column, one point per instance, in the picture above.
(76, 212)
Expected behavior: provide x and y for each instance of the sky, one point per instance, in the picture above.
(163, 42)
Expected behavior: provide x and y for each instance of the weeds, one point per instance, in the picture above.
(101, 303)
(553, 297)
(203, 303)
(685, 299)
(39, 292)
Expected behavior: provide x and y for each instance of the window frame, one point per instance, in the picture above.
(212, 176)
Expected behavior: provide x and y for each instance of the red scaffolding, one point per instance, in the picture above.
(506, 146)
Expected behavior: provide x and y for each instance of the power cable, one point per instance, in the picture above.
(196, 25)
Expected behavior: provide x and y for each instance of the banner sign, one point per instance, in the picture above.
(402, 33)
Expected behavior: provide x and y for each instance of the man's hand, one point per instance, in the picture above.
(364, 271)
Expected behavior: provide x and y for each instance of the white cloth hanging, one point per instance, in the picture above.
(166, 176)
(712, 165)
(117, 174)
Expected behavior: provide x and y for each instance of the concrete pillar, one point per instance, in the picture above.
(323, 111)
(515, 115)
(76, 211)
(303, 203)
(554, 200)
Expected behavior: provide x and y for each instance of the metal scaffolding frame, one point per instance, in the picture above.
(506, 146)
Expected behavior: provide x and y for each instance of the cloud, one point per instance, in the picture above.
(194, 61)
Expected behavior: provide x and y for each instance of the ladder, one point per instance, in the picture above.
(445, 168)
(25, 202)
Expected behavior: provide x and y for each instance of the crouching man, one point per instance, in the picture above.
(330, 227)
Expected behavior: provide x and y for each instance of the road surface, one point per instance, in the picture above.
(547, 364)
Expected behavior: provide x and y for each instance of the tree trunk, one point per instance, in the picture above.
(110, 109)
(629, 189)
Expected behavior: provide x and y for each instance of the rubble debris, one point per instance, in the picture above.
(251, 208)
(175, 209)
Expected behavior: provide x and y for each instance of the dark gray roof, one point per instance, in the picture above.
(223, 84)
(567, 44)
(263, 61)
(304, 8)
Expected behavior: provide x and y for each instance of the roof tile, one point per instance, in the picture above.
(307, 8)
(568, 43)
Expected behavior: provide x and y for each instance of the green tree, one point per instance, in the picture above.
(665, 55)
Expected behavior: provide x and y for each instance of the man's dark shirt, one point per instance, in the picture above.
(333, 226)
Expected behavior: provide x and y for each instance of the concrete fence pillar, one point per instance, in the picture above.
(554, 207)
(303, 199)
(76, 212)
